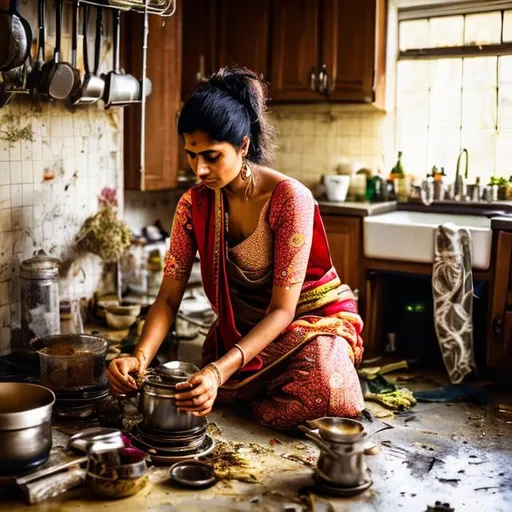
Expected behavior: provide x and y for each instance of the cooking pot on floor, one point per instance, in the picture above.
(25, 426)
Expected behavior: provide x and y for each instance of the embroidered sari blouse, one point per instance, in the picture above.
(282, 238)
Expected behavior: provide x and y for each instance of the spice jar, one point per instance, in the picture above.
(39, 288)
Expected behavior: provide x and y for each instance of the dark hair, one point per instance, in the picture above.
(230, 106)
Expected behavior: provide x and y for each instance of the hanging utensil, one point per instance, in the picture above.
(120, 89)
(142, 162)
(93, 86)
(74, 49)
(15, 37)
(34, 77)
(57, 78)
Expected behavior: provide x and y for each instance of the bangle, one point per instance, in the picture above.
(242, 351)
(217, 373)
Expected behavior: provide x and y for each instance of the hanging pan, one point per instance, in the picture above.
(93, 85)
(57, 78)
(15, 37)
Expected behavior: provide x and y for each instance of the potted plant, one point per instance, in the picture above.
(501, 184)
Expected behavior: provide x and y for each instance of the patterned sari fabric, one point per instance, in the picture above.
(308, 371)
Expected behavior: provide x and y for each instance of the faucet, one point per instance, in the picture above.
(459, 191)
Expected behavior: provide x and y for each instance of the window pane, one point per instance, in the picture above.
(413, 34)
(507, 27)
(414, 149)
(504, 153)
(413, 109)
(443, 148)
(479, 109)
(505, 64)
(481, 145)
(446, 31)
(413, 75)
(446, 74)
(445, 109)
(505, 107)
(483, 28)
(480, 73)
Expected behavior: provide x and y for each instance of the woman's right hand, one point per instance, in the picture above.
(118, 374)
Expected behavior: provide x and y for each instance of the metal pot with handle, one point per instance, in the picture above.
(157, 398)
(25, 426)
(15, 37)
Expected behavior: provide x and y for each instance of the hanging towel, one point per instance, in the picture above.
(452, 288)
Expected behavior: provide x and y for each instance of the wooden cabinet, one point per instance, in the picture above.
(199, 32)
(220, 33)
(344, 237)
(160, 168)
(499, 347)
(332, 50)
(295, 50)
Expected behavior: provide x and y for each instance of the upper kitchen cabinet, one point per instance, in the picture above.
(354, 50)
(220, 33)
(160, 168)
(330, 49)
(199, 33)
(295, 50)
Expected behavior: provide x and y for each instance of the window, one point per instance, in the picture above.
(454, 90)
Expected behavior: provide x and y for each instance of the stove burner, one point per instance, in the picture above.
(325, 487)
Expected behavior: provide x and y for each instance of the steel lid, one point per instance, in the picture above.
(40, 266)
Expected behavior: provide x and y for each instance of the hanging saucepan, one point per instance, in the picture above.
(74, 50)
(57, 77)
(120, 89)
(15, 37)
(93, 85)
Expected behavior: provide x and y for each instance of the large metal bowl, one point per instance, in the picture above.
(25, 426)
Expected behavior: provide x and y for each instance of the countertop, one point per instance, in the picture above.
(356, 209)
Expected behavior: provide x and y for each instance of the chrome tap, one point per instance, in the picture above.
(460, 186)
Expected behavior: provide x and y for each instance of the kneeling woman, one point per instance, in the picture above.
(287, 334)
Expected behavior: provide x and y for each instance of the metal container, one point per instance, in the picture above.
(157, 398)
(39, 288)
(25, 427)
(71, 362)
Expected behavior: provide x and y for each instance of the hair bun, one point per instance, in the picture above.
(243, 85)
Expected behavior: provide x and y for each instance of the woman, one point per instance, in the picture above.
(287, 335)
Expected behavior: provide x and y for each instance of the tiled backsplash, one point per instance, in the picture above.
(82, 151)
(313, 139)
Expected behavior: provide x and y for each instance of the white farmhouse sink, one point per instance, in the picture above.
(409, 236)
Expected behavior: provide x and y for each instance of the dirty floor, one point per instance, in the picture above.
(459, 454)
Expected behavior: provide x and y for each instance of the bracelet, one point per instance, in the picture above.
(216, 370)
(242, 351)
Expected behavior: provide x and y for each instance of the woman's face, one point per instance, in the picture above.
(215, 163)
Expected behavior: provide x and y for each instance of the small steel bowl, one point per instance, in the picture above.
(193, 473)
(118, 463)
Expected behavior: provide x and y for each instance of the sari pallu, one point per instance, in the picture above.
(325, 308)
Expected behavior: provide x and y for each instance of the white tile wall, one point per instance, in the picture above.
(83, 151)
(313, 139)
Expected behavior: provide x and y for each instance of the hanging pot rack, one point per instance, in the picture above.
(166, 9)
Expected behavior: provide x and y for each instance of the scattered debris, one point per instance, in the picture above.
(487, 488)
(449, 480)
(440, 507)
(274, 440)
(214, 429)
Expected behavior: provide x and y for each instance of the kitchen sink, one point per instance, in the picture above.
(409, 236)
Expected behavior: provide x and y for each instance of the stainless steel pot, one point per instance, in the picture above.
(157, 398)
(25, 426)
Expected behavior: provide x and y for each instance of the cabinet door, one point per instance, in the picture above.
(243, 34)
(354, 48)
(198, 54)
(499, 346)
(295, 50)
(160, 167)
(343, 235)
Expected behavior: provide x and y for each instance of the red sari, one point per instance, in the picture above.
(308, 371)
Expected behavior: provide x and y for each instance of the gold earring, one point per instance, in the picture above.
(246, 171)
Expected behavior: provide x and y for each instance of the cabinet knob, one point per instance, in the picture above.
(323, 80)
(312, 80)
(497, 327)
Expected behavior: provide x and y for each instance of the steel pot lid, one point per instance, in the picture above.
(40, 266)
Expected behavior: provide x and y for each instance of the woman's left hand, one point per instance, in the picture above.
(199, 400)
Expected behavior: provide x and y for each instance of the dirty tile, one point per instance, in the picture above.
(15, 152)
(16, 199)
(27, 172)
(5, 220)
(5, 292)
(15, 172)
(5, 340)
(5, 196)
(5, 173)
(17, 218)
(4, 151)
